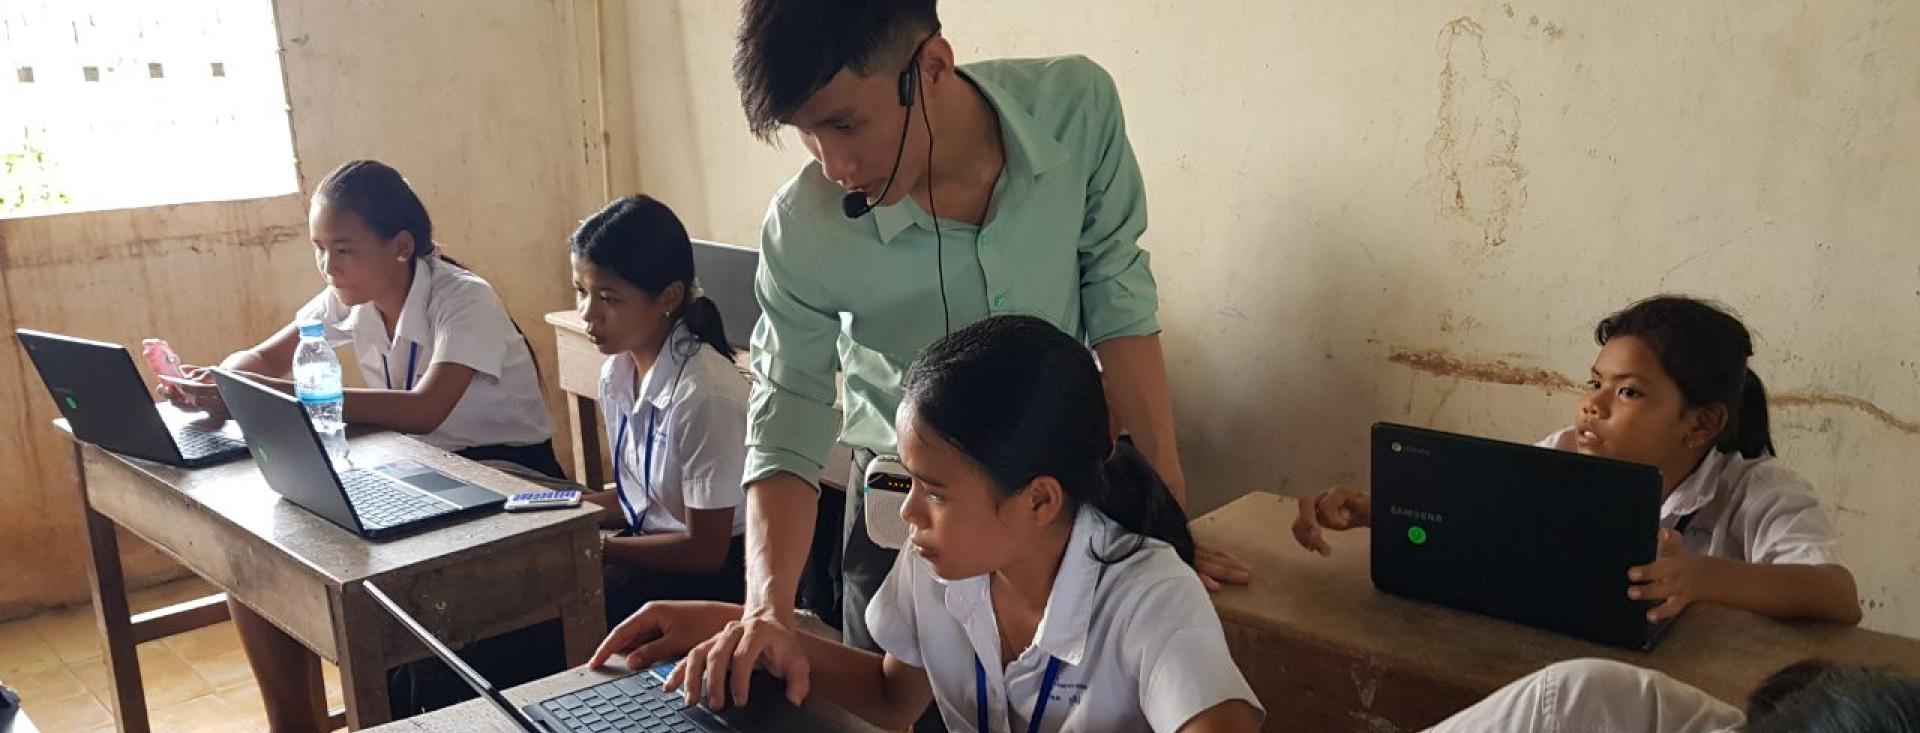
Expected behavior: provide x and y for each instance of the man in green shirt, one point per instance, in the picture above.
(1026, 168)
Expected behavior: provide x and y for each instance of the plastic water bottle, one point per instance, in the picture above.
(316, 380)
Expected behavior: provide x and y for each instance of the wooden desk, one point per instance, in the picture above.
(478, 716)
(465, 580)
(579, 370)
(1325, 651)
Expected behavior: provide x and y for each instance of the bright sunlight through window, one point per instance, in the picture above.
(114, 104)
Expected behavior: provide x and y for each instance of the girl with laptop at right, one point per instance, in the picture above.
(1670, 388)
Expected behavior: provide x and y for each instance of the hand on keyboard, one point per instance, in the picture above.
(724, 664)
(664, 630)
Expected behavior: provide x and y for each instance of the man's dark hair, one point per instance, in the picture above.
(788, 49)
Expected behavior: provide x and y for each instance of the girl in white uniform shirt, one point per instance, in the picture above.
(675, 408)
(1050, 585)
(1595, 695)
(442, 360)
(1671, 389)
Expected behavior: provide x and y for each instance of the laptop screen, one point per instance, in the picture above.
(285, 447)
(726, 273)
(473, 679)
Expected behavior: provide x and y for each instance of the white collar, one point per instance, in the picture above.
(669, 366)
(1699, 488)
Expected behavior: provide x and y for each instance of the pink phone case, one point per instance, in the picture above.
(161, 358)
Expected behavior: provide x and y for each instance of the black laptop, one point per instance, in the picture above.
(108, 404)
(384, 500)
(1533, 535)
(635, 702)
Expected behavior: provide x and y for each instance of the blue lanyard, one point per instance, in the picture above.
(634, 520)
(413, 359)
(1039, 706)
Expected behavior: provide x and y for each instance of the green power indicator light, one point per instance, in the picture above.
(72, 404)
(1417, 535)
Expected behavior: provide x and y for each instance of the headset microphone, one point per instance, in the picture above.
(855, 204)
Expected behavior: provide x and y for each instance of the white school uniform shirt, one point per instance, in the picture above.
(697, 402)
(451, 316)
(1139, 643)
(1596, 696)
(1746, 509)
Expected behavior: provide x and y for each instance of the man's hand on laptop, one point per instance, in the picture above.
(664, 630)
(1338, 508)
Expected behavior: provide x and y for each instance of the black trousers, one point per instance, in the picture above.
(863, 564)
(537, 457)
(513, 658)
(628, 589)
(863, 567)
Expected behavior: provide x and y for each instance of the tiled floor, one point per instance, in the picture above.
(196, 682)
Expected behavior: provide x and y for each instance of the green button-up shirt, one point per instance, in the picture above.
(863, 296)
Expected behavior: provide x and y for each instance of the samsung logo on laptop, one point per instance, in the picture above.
(1429, 517)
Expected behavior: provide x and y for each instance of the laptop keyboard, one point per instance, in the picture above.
(632, 703)
(201, 443)
(382, 502)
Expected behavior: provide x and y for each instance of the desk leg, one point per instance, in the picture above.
(583, 616)
(110, 612)
(584, 414)
(357, 625)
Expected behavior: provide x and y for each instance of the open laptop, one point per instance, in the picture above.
(726, 273)
(108, 404)
(384, 500)
(1528, 534)
(635, 702)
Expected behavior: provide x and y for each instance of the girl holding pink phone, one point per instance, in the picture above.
(441, 359)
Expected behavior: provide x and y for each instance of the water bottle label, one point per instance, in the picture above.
(317, 398)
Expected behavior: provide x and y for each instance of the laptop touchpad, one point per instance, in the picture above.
(447, 488)
(431, 481)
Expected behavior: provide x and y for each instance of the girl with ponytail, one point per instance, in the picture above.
(440, 358)
(674, 405)
(1022, 508)
(1671, 389)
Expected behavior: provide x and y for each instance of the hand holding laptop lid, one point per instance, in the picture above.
(1676, 579)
